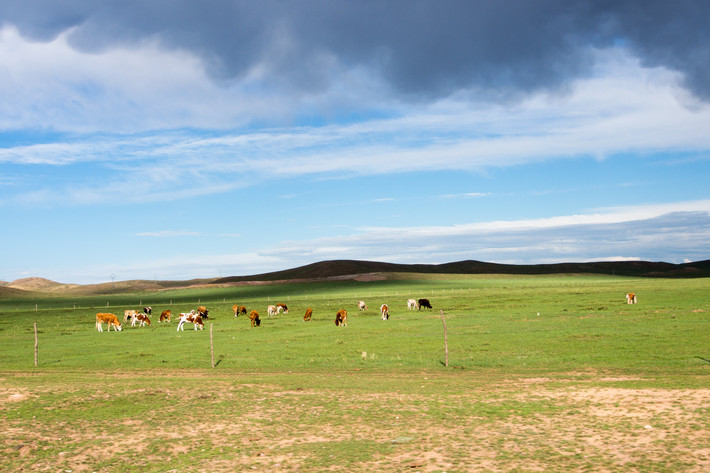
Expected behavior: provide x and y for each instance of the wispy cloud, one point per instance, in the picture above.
(169, 234)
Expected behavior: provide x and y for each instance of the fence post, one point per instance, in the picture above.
(211, 346)
(36, 344)
(446, 340)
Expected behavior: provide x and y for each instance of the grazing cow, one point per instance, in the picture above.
(361, 305)
(282, 306)
(341, 318)
(235, 309)
(202, 311)
(271, 310)
(128, 314)
(412, 304)
(424, 303)
(165, 316)
(242, 310)
(110, 319)
(307, 315)
(631, 298)
(142, 319)
(190, 317)
(148, 310)
(385, 311)
(254, 317)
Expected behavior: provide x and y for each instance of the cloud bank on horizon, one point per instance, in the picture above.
(178, 139)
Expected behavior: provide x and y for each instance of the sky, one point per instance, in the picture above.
(177, 139)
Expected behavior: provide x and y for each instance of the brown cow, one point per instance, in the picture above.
(235, 309)
(110, 319)
(254, 317)
(281, 306)
(202, 311)
(341, 318)
(165, 316)
(242, 310)
(631, 298)
(307, 315)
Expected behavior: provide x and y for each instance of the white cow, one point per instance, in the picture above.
(271, 310)
(361, 305)
(412, 304)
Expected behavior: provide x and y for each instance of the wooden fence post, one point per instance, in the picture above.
(446, 340)
(36, 344)
(211, 346)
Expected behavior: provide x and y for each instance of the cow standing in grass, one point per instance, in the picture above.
(361, 306)
(341, 318)
(165, 316)
(385, 311)
(281, 307)
(424, 303)
(631, 298)
(307, 315)
(110, 319)
(254, 317)
(412, 304)
(192, 317)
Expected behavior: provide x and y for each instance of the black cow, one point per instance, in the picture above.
(424, 303)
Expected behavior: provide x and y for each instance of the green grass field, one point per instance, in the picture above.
(546, 373)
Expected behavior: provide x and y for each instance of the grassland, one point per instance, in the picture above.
(546, 373)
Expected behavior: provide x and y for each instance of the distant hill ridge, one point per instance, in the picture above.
(334, 268)
(353, 268)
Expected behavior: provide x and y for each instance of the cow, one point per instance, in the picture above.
(631, 298)
(202, 311)
(424, 303)
(281, 306)
(307, 315)
(110, 319)
(361, 305)
(148, 310)
(128, 314)
(165, 316)
(142, 319)
(235, 309)
(385, 311)
(254, 317)
(341, 318)
(271, 310)
(412, 304)
(242, 310)
(192, 317)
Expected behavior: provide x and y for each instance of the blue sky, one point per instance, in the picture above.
(176, 140)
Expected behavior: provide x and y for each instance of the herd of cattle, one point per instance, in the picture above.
(197, 317)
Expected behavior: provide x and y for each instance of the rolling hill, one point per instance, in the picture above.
(354, 268)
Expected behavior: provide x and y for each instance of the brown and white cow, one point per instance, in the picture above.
(271, 310)
(341, 318)
(385, 311)
(281, 306)
(148, 310)
(142, 319)
(191, 317)
(307, 315)
(235, 309)
(128, 314)
(361, 305)
(412, 304)
(631, 298)
(110, 319)
(165, 316)
(254, 317)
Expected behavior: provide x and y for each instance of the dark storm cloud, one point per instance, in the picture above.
(420, 48)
